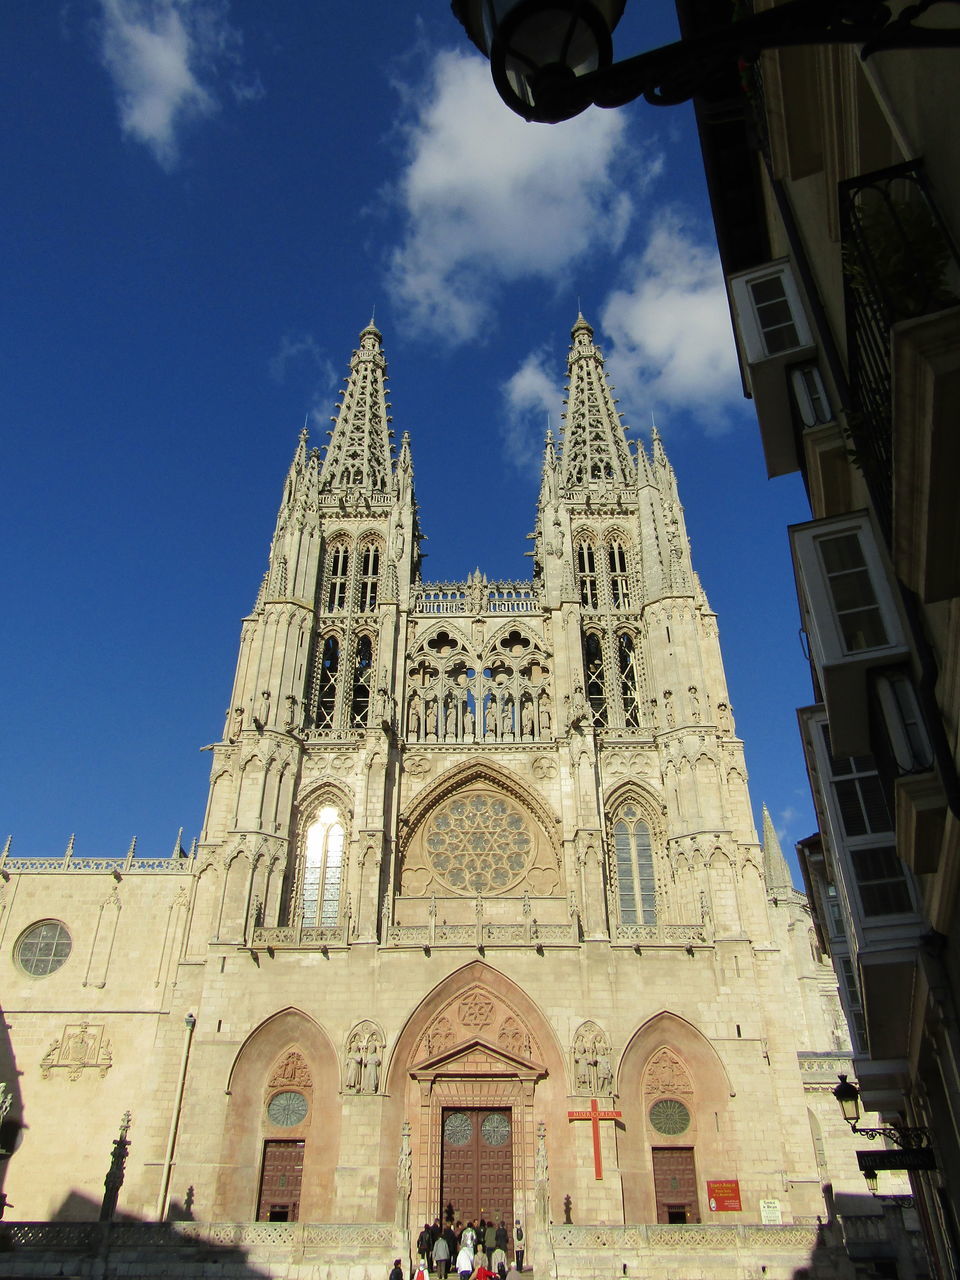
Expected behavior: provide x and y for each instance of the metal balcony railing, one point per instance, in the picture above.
(899, 263)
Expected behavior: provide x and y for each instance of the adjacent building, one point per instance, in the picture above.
(836, 194)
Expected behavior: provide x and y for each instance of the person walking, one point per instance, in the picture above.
(424, 1245)
(464, 1263)
(490, 1238)
(441, 1255)
(518, 1244)
(397, 1272)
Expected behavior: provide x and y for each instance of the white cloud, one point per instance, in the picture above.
(488, 199)
(670, 344)
(533, 401)
(164, 57)
(292, 348)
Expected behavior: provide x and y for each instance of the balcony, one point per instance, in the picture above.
(902, 276)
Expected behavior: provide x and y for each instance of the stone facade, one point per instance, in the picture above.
(469, 847)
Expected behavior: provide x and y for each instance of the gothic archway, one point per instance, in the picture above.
(675, 1097)
(286, 1058)
(477, 1046)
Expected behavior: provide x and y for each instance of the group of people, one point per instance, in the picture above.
(474, 1252)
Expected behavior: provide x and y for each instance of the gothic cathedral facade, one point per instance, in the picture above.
(478, 922)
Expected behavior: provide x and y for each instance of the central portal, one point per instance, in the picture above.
(476, 1165)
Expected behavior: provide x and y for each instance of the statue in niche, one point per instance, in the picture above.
(467, 721)
(668, 707)
(584, 1072)
(371, 1070)
(492, 725)
(604, 1074)
(363, 1060)
(694, 704)
(506, 718)
(432, 718)
(450, 721)
(291, 716)
(526, 719)
(723, 716)
(354, 1072)
(413, 718)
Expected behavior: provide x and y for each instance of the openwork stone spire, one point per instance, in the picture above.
(775, 867)
(358, 455)
(595, 452)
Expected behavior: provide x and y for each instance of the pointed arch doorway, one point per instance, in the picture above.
(477, 1131)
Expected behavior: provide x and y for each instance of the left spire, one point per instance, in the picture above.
(359, 454)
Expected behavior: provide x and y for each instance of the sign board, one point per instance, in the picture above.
(770, 1212)
(908, 1158)
(724, 1196)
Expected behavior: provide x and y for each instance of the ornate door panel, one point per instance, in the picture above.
(476, 1174)
(675, 1184)
(280, 1182)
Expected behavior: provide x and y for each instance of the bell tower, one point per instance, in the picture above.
(315, 680)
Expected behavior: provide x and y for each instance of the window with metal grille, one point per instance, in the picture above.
(369, 577)
(327, 683)
(619, 575)
(339, 592)
(587, 570)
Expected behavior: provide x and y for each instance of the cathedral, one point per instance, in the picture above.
(478, 922)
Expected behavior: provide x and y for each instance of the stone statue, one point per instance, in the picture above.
(583, 1073)
(604, 1074)
(492, 725)
(413, 718)
(354, 1070)
(450, 723)
(526, 719)
(404, 1176)
(371, 1069)
(237, 722)
(432, 718)
(468, 722)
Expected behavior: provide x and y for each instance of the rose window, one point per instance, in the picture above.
(479, 844)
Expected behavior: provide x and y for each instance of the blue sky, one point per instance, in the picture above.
(203, 203)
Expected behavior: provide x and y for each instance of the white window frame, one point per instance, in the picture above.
(751, 330)
(824, 628)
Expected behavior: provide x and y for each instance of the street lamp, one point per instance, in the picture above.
(552, 58)
(848, 1095)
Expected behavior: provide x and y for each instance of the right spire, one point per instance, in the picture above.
(595, 451)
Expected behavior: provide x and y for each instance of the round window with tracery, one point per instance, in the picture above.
(479, 844)
(669, 1117)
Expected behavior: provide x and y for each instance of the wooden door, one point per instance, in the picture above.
(675, 1184)
(280, 1182)
(476, 1172)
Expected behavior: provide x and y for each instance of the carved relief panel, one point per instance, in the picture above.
(478, 1014)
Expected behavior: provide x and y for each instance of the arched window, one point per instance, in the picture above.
(636, 884)
(339, 592)
(627, 658)
(369, 575)
(327, 683)
(619, 575)
(362, 676)
(323, 868)
(587, 570)
(593, 671)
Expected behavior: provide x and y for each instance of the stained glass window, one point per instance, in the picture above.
(479, 843)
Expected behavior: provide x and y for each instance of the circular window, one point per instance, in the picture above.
(670, 1117)
(457, 1129)
(478, 843)
(495, 1129)
(43, 948)
(287, 1109)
